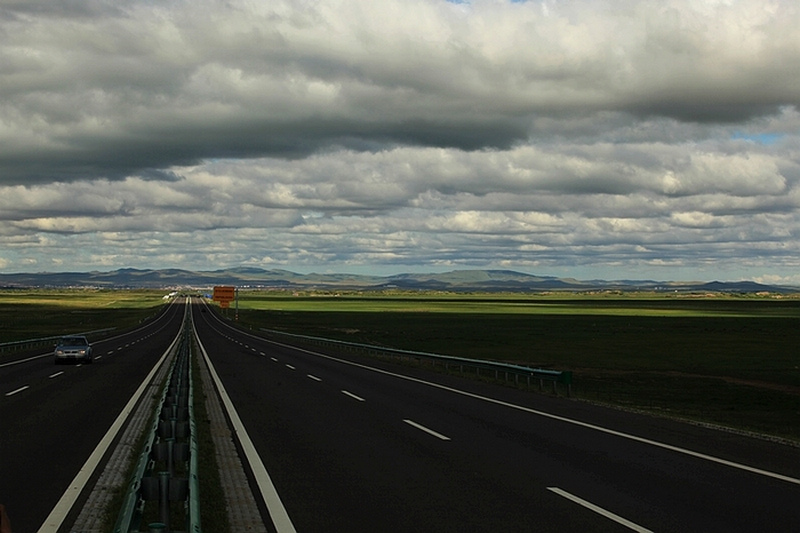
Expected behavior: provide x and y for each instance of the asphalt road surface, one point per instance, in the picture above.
(53, 417)
(347, 443)
(353, 444)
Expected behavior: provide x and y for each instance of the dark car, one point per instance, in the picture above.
(73, 348)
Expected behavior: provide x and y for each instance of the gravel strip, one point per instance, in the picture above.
(243, 513)
(92, 516)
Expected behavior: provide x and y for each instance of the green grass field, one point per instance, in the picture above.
(726, 360)
(34, 313)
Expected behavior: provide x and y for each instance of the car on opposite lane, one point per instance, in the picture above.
(73, 348)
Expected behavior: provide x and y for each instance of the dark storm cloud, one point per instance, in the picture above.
(104, 90)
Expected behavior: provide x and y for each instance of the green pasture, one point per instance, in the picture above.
(36, 313)
(727, 360)
(647, 304)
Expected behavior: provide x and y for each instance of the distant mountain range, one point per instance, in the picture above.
(454, 281)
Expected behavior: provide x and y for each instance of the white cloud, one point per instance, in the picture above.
(636, 134)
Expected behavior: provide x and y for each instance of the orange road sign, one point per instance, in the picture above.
(224, 294)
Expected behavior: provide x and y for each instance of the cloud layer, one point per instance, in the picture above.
(623, 139)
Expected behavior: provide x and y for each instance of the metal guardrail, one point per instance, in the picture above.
(530, 375)
(166, 471)
(32, 343)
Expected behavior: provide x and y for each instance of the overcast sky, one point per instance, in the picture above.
(586, 138)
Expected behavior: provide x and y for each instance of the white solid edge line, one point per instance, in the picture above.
(280, 518)
(56, 517)
(662, 445)
(426, 430)
(600, 510)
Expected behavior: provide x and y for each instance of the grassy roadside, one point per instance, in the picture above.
(731, 361)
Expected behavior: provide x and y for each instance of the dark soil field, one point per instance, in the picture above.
(732, 361)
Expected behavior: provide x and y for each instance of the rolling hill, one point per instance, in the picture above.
(453, 281)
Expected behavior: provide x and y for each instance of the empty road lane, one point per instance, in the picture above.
(358, 445)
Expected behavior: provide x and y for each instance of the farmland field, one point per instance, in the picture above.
(729, 360)
(34, 313)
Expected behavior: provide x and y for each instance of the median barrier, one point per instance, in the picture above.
(166, 471)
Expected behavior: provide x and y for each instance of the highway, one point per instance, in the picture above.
(53, 417)
(351, 444)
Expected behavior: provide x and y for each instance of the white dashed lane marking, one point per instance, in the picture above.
(426, 430)
(350, 394)
(17, 391)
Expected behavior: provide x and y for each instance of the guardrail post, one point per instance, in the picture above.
(163, 498)
(170, 452)
(566, 378)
